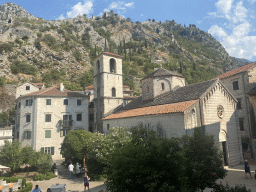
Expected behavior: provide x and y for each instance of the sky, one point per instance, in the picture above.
(231, 22)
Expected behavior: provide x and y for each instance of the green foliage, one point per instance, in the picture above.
(73, 145)
(149, 68)
(18, 41)
(73, 86)
(53, 76)
(227, 188)
(86, 78)
(29, 156)
(10, 155)
(37, 44)
(14, 180)
(39, 35)
(203, 167)
(22, 67)
(44, 162)
(50, 41)
(7, 47)
(28, 187)
(47, 176)
(2, 81)
(77, 54)
(152, 163)
(3, 117)
(86, 39)
(25, 38)
(147, 163)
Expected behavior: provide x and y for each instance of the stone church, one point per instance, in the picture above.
(167, 106)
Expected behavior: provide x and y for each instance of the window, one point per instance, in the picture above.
(48, 101)
(241, 124)
(27, 87)
(112, 65)
(113, 92)
(48, 117)
(235, 85)
(98, 66)
(63, 132)
(65, 102)
(79, 117)
(27, 135)
(29, 102)
(19, 104)
(162, 84)
(91, 117)
(239, 104)
(27, 118)
(91, 105)
(48, 150)
(48, 133)
(107, 126)
(78, 102)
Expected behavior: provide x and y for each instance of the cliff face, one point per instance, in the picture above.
(33, 49)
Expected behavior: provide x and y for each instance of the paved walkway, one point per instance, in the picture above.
(75, 184)
(234, 177)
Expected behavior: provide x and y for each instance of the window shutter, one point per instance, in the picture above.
(42, 149)
(61, 133)
(24, 135)
(48, 134)
(52, 150)
(29, 134)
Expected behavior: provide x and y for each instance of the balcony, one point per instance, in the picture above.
(65, 123)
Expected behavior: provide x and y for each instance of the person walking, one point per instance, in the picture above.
(247, 168)
(77, 169)
(36, 189)
(71, 168)
(86, 181)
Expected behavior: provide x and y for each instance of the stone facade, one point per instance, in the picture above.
(25, 89)
(42, 121)
(108, 86)
(240, 81)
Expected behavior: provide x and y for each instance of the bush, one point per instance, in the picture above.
(77, 55)
(22, 67)
(46, 176)
(37, 44)
(49, 40)
(18, 41)
(7, 47)
(25, 38)
(28, 187)
(227, 188)
(2, 81)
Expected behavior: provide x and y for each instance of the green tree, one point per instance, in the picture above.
(148, 163)
(204, 163)
(29, 155)
(74, 146)
(10, 155)
(3, 117)
(44, 162)
(86, 78)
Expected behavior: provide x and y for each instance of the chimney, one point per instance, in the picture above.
(61, 87)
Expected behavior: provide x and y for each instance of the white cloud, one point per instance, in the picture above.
(234, 30)
(141, 15)
(129, 4)
(119, 7)
(79, 8)
(61, 17)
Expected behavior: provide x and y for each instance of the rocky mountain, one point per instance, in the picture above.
(37, 50)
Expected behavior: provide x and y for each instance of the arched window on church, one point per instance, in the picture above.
(162, 85)
(113, 92)
(112, 64)
(98, 66)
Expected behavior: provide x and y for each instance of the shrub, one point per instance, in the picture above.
(37, 44)
(7, 47)
(77, 55)
(39, 35)
(25, 38)
(49, 40)
(28, 187)
(18, 41)
(2, 81)
(46, 176)
(227, 188)
(22, 67)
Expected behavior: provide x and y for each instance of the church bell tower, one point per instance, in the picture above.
(108, 86)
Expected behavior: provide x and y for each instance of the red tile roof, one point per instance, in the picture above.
(54, 91)
(153, 110)
(40, 85)
(90, 87)
(108, 54)
(236, 71)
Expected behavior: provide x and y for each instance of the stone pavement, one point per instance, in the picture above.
(234, 177)
(75, 184)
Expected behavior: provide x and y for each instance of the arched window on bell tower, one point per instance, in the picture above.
(162, 86)
(113, 92)
(98, 66)
(112, 65)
